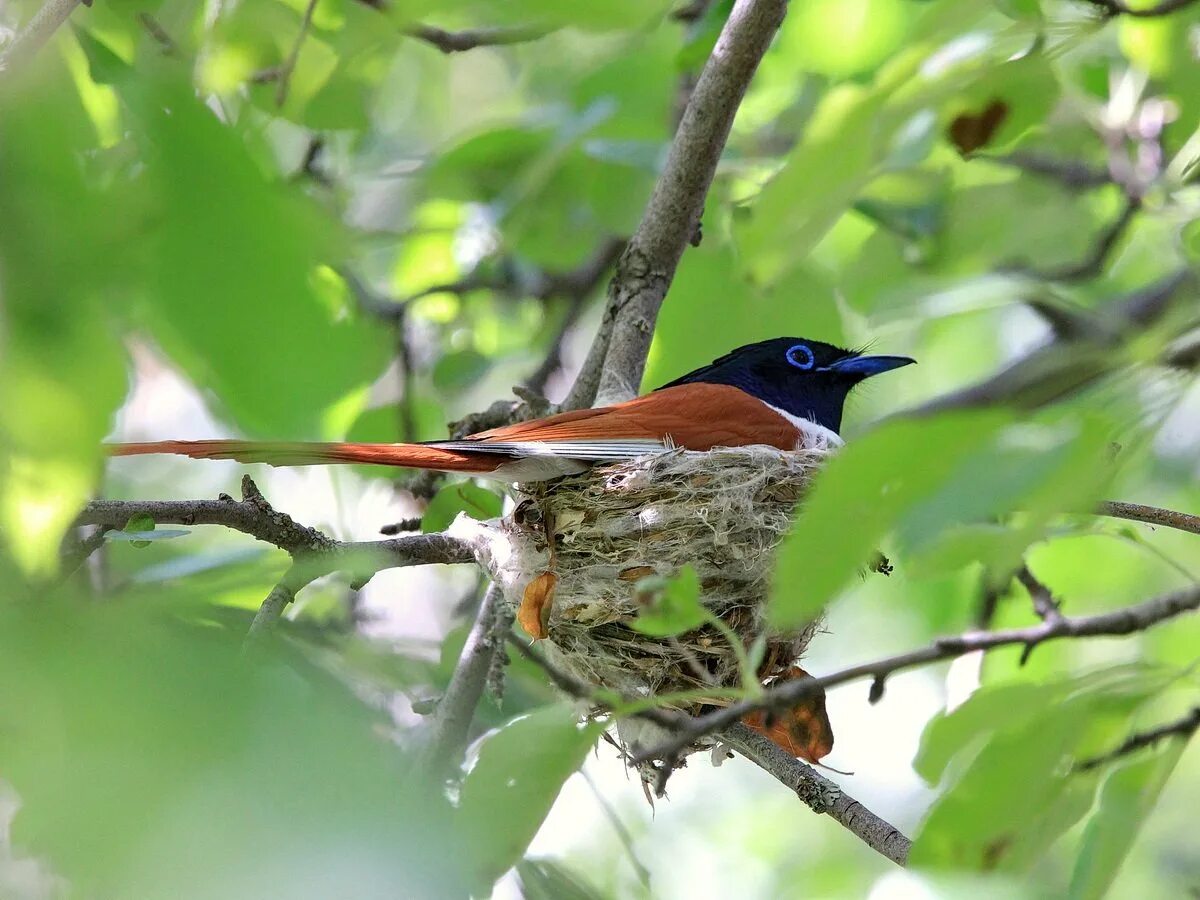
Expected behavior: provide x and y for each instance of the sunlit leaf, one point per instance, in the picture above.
(520, 770)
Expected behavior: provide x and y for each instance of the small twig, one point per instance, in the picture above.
(820, 794)
(781, 698)
(1112, 8)
(39, 29)
(284, 76)
(470, 38)
(1151, 515)
(1093, 264)
(1072, 174)
(1044, 604)
(165, 42)
(271, 610)
(1184, 728)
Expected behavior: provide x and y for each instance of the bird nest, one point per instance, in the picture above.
(580, 557)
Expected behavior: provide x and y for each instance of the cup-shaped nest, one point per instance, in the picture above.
(574, 557)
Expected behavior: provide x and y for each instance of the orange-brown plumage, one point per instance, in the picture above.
(692, 416)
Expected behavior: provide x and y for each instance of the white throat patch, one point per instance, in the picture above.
(812, 435)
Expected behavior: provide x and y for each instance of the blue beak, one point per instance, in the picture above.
(866, 366)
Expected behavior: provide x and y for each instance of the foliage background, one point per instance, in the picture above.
(174, 228)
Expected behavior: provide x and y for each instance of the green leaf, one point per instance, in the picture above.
(1015, 781)
(143, 537)
(951, 734)
(464, 496)
(545, 879)
(194, 755)
(235, 274)
(62, 279)
(1126, 801)
(861, 494)
(506, 796)
(675, 608)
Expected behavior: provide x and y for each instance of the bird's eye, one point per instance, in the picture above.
(800, 356)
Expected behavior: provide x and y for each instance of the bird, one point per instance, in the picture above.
(785, 392)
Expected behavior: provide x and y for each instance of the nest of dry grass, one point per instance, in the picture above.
(575, 556)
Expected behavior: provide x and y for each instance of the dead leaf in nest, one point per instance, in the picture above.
(567, 521)
(635, 573)
(804, 731)
(534, 613)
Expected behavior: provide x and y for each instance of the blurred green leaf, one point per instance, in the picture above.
(234, 268)
(215, 774)
(1015, 782)
(520, 770)
(985, 712)
(544, 879)
(62, 370)
(1128, 797)
(459, 497)
(862, 493)
(674, 608)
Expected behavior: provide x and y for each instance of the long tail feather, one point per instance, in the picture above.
(288, 453)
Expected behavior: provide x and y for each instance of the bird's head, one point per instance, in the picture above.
(805, 378)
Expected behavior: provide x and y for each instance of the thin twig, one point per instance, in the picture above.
(166, 43)
(1184, 727)
(820, 794)
(1044, 604)
(470, 38)
(1112, 8)
(1151, 515)
(39, 29)
(785, 696)
(1093, 264)
(271, 610)
(1071, 173)
(284, 77)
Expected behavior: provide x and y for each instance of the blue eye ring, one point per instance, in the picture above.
(805, 356)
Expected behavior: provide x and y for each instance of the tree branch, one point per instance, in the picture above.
(1151, 515)
(783, 697)
(39, 29)
(451, 720)
(820, 794)
(673, 212)
(314, 554)
(284, 77)
(1184, 727)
